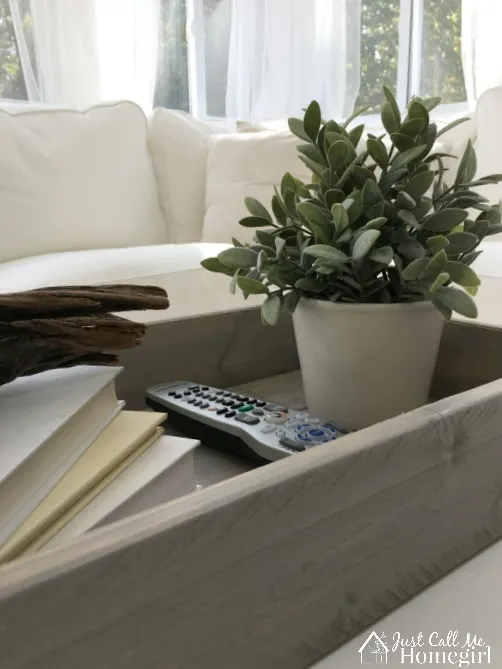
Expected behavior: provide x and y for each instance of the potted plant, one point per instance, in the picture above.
(370, 257)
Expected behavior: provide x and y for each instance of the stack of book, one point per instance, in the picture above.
(72, 459)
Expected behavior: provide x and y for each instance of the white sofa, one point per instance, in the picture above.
(109, 196)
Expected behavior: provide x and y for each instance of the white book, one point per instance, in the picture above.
(165, 471)
(47, 421)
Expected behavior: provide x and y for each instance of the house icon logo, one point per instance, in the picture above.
(374, 650)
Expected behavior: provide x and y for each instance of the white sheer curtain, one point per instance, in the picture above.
(285, 53)
(78, 52)
(482, 63)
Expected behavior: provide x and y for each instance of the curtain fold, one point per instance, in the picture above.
(481, 20)
(285, 53)
(76, 53)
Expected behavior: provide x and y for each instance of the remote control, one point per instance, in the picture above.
(227, 421)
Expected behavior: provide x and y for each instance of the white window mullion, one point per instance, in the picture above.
(404, 52)
(196, 58)
(416, 47)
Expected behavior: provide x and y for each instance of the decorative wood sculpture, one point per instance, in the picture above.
(67, 326)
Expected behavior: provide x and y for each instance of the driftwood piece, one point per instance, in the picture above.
(70, 325)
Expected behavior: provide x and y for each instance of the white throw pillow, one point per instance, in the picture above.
(72, 180)
(245, 165)
(178, 144)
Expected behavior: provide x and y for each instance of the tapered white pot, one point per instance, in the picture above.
(363, 363)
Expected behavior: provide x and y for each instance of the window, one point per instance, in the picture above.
(413, 46)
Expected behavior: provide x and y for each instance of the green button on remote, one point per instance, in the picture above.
(246, 407)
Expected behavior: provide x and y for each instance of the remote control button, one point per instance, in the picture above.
(204, 405)
(194, 389)
(260, 403)
(230, 414)
(191, 400)
(271, 407)
(204, 387)
(304, 438)
(267, 428)
(212, 408)
(197, 403)
(220, 411)
(226, 394)
(247, 419)
(258, 412)
(178, 396)
(237, 405)
(277, 418)
(218, 392)
(251, 400)
(198, 394)
(187, 392)
(280, 432)
(246, 407)
(171, 393)
(227, 403)
(212, 397)
(242, 398)
(292, 444)
(205, 396)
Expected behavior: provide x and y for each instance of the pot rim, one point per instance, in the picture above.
(425, 305)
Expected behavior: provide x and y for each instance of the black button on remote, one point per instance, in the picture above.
(191, 400)
(242, 398)
(204, 387)
(220, 411)
(171, 393)
(292, 444)
(219, 392)
(229, 414)
(260, 403)
(194, 389)
(187, 392)
(226, 394)
(237, 405)
(178, 396)
(197, 404)
(246, 418)
(258, 412)
(227, 403)
(204, 405)
(251, 400)
(212, 397)
(198, 394)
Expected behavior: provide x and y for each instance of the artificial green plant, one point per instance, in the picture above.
(377, 224)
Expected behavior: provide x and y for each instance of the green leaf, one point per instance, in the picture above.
(468, 164)
(340, 217)
(392, 102)
(452, 125)
(413, 127)
(256, 208)
(332, 196)
(469, 258)
(440, 280)
(251, 286)
(312, 213)
(460, 242)
(364, 243)
(337, 154)
(420, 184)
(375, 223)
(355, 114)
(314, 166)
(409, 218)
(270, 309)
(444, 220)
(407, 157)
(214, 265)
(437, 242)
(310, 284)
(390, 179)
(355, 135)
(378, 152)
(312, 120)
(371, 195)
(265, 238)
(457, 300)
(291, 300)
(278, 209)
(312, 152)
(383, 255)
(327, 253)
(442, 308)
(279, 246)
(405, 201)
(435, 265)
(411, 248)
(412, 271)
(431, 103)
(417, 110)
(254, 222)
(238, 258)
(402, 142)
(389, 120)
(462, 274)
(297, 128)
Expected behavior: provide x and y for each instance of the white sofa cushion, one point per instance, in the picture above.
(192, 290)
(178, 144)
(245, 165)
(73, 180)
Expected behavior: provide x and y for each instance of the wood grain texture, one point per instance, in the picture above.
(274, 568)
(221, 350)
